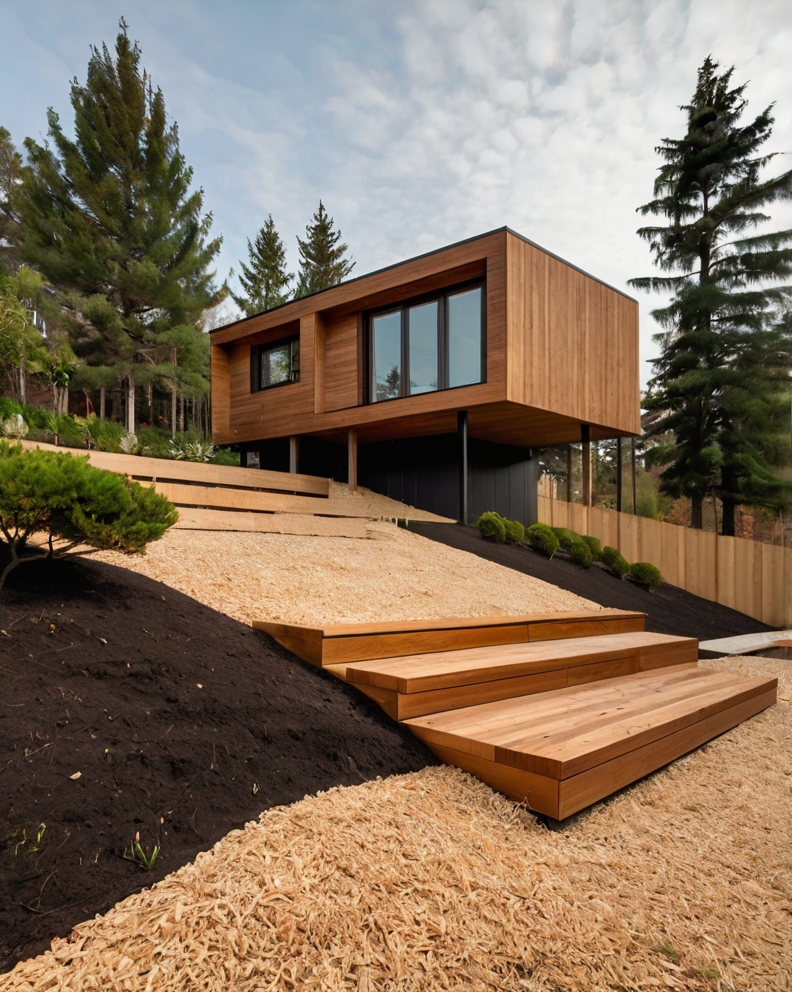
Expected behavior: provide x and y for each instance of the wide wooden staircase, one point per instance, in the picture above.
(556, 710)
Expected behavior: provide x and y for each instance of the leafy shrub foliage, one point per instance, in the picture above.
(515, 532)
(492, 527)
(594, 545)
(614, 561)
(645, 574)
(70, 503)
(542, 539)
(575, 546)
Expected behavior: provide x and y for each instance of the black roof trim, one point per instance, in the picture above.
(428, 254)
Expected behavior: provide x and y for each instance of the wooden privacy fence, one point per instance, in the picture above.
(753, 578)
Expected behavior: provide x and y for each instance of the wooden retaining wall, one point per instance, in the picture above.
(753, 578)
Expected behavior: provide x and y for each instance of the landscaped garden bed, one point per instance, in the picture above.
(129, 708)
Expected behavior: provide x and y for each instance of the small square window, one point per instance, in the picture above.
(275, 364)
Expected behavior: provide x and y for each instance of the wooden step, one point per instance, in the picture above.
(305, 524)
(339, 643)
(416, 685)
(564, 749)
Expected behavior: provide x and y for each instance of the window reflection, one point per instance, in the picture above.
(386, 346)
(464, 338)
(423, 348)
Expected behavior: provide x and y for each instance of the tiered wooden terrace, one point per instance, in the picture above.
(558, 710)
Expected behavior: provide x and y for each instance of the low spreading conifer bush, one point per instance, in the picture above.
(645, 574)
(515, 531)
(575, 546)
(542, 539)
(614, 561)
(594, 546)
(65, 504)
(492, 526)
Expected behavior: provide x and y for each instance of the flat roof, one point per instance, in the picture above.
(427, 254)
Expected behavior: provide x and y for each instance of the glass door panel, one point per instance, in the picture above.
(386, 356)
(464, 338)
(423, 348)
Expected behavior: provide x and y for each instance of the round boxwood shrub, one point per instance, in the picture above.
(645, 574)
(575, 546)
(614, 561)
(594, 546)
(491, 526)
(542, 539)
(515, 532)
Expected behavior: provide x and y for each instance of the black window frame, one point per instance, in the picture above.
(403, 307)
(256, 352)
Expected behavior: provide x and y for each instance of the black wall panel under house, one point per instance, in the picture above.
(423, 472)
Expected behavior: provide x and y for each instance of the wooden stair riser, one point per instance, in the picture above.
(403, 706)
(362, 642)
(562, 798)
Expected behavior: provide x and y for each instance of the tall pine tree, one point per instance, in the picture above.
(265, 281)
(322, 261)
(725, 355)
(109, 216)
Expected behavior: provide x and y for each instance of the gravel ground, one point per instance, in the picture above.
(433, 881)
(321, 580)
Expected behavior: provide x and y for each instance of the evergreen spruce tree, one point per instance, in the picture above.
(265, 281)
(725, 355)
(322, 261)
(10, 179)
(109, 217)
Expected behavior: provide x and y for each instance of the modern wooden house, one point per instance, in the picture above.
(435, 380)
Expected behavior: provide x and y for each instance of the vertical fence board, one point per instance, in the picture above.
(727, 588)
(753, 578)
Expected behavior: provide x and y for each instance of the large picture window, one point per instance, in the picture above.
(275, 364)
(432, 343)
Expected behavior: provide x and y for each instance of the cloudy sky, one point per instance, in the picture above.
(418, 122)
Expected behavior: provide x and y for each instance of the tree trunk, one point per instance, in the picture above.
(173, 411)
(22, 381)
(130, 409)
(181, 411)
(101, 402)
(696, 512)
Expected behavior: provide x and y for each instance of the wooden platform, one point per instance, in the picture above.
(420, 684)
(557, 710)
(562, 750)
(337, 643)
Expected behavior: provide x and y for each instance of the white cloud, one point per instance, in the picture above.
(427, 121)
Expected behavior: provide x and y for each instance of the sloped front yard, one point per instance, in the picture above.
(427, 880)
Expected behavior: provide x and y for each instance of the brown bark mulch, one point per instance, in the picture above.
(130, 708)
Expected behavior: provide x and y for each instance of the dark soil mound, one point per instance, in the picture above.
(669, 610)
(182, 724)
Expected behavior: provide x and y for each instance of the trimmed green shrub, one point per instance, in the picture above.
(542, 539)
(645, 574)
(492, 527)
(594, 545)
(615, 562)
(575, 546)
(71, 503)
(515, 532)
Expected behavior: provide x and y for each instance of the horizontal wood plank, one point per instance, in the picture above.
(582, 790)
(142, 467)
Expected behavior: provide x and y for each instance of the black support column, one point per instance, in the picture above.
(619, 479)
(462, 431)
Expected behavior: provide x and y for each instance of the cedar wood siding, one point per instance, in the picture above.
(561, 351)
(573, 342)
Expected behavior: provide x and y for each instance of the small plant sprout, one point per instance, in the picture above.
(135, 852)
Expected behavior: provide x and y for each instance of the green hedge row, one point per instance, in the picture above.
(583, 550)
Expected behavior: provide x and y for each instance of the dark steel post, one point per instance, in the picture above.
(618, 475)
(585, 437)
(569, 474)
(462, 431)
(632, 460)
